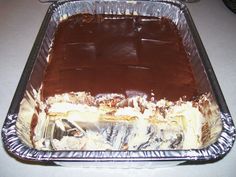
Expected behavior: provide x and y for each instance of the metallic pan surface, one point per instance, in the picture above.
(15, 140)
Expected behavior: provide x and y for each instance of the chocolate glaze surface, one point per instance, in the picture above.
(119, 54)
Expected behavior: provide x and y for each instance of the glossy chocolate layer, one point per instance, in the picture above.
(119, 54)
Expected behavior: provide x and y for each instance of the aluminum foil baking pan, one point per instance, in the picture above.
(16, 141)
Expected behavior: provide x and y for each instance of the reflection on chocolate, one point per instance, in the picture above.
(118, 54)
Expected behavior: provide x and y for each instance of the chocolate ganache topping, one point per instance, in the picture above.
(119, 54)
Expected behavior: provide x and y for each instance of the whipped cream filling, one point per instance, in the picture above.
(79, 121)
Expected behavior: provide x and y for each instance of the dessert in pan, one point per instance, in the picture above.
(117, 82)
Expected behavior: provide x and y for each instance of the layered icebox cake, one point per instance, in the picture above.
(120, 82)
(109, 82)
